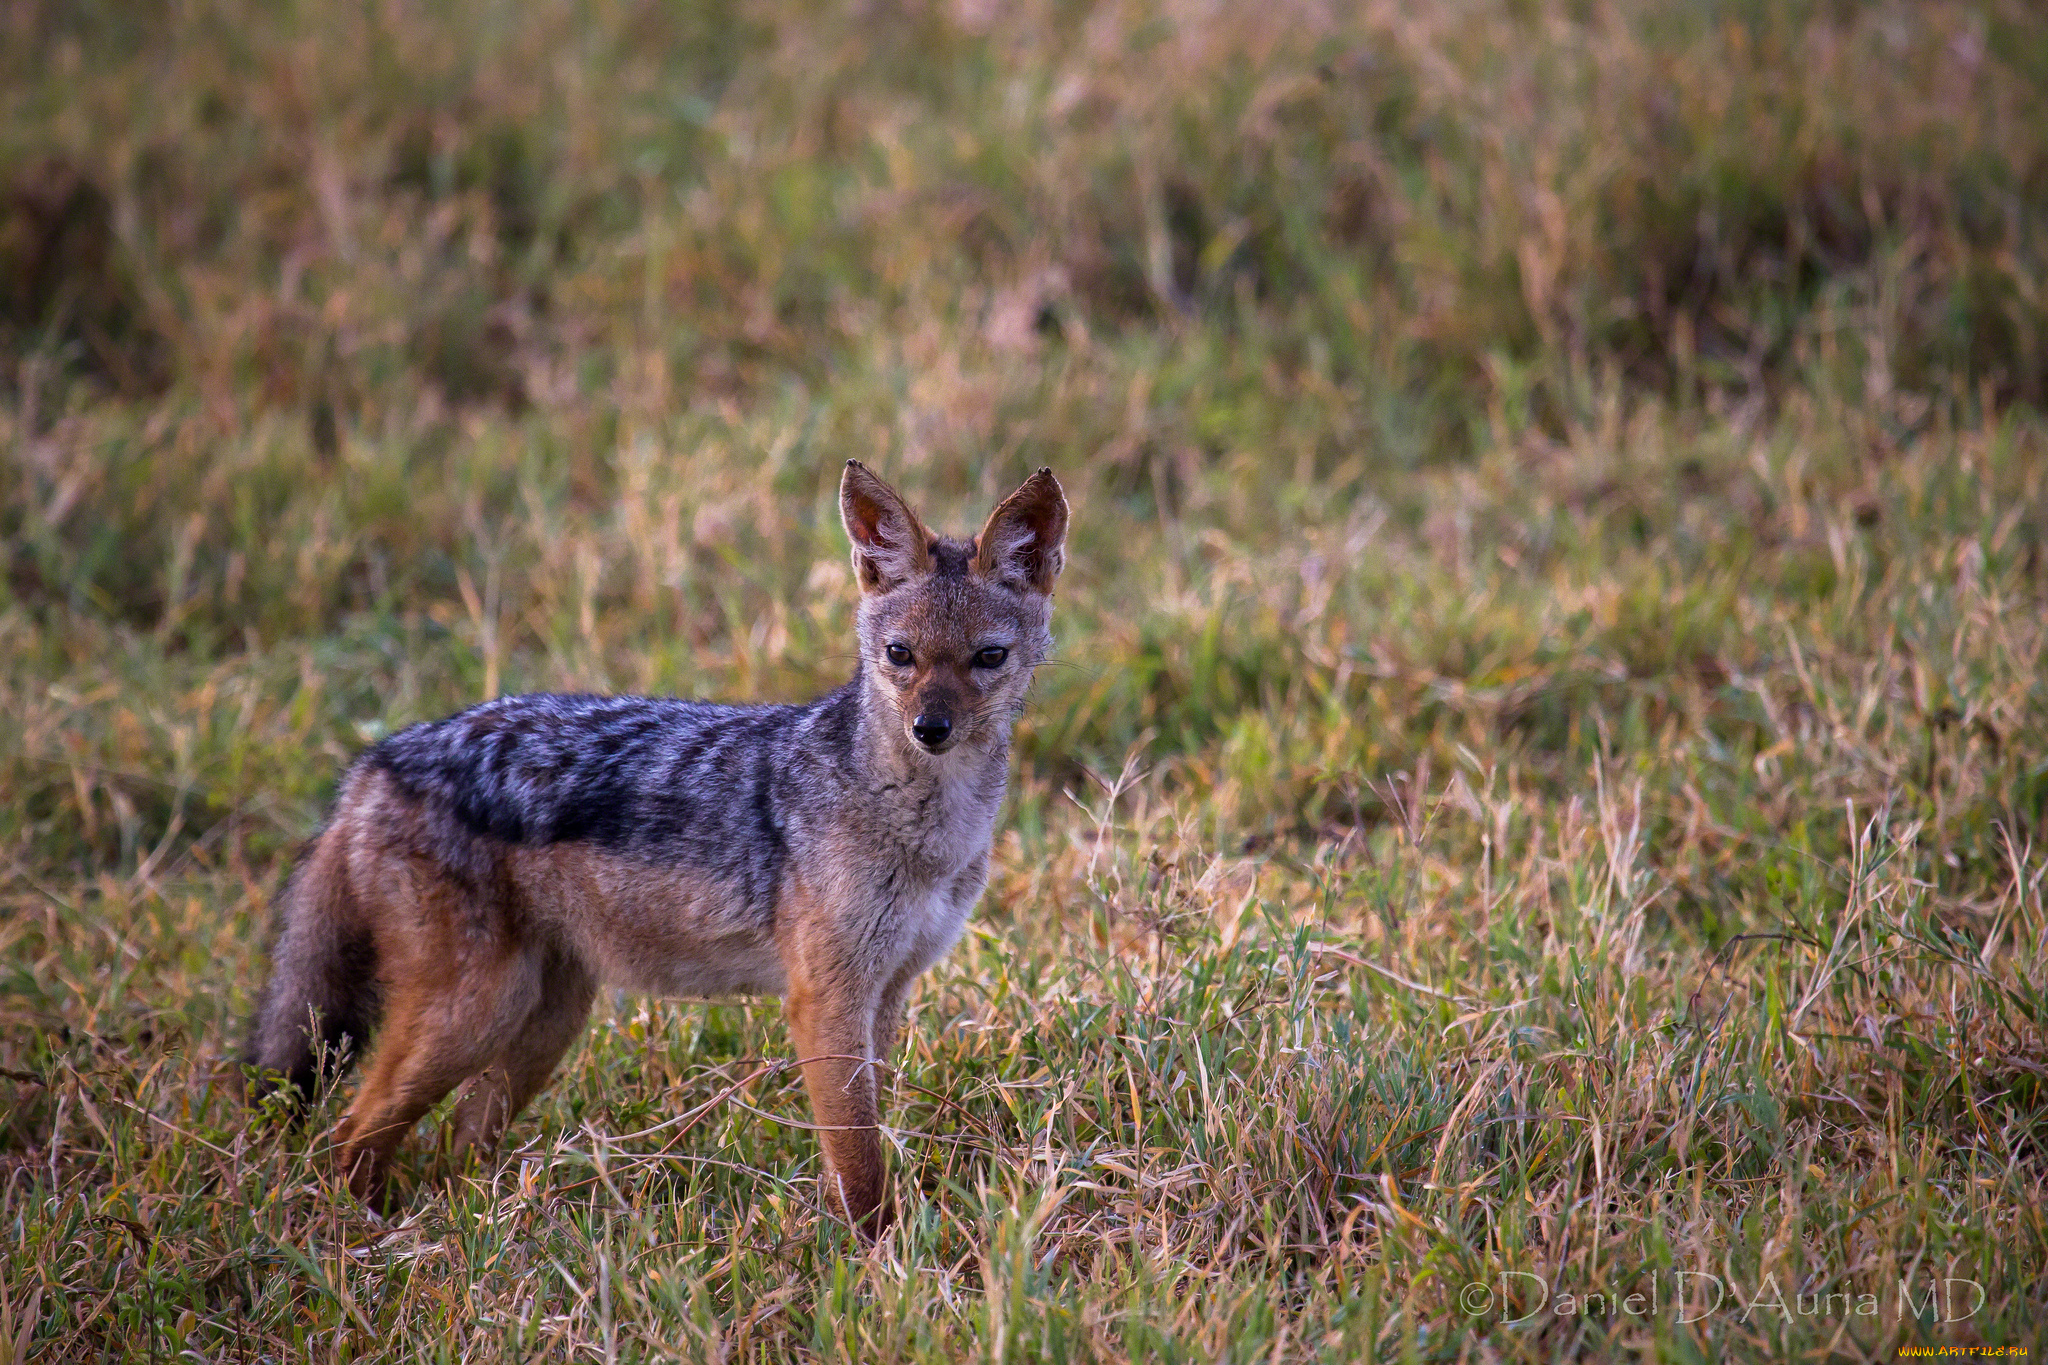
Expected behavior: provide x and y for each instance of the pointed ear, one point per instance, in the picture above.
(889, 544)
(1024, 543)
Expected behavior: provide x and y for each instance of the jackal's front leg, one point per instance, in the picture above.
(830, 1023)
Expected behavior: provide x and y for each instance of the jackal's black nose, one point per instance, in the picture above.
(931, 731)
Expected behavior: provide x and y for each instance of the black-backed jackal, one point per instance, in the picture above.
(483, 875)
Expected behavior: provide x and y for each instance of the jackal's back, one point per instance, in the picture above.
(652, 779)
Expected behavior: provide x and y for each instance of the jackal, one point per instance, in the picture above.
(481, 876)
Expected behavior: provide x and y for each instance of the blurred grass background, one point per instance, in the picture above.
(1546, 766)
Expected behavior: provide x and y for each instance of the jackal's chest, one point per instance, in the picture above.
(955, 850)
(911, 922)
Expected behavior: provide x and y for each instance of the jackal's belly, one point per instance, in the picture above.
(729, 968)
(653, 929)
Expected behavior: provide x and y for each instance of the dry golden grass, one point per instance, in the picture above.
(1545, 781)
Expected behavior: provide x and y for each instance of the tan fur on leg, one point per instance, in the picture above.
(830, 1034)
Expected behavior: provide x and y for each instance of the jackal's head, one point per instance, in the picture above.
(950, 630)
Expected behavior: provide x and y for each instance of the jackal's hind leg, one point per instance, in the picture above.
(434, 1038)
(496, 1095)
(409, 1071)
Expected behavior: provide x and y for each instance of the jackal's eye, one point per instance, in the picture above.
(992, 657)
(899, 655)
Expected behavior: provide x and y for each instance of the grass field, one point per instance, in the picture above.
(1544, 794)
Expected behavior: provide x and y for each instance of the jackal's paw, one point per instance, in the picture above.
(870, 1212)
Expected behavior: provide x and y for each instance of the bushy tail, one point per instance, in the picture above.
(321, 1003)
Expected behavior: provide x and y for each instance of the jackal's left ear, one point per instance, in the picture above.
(890, 546)
(1024, 543)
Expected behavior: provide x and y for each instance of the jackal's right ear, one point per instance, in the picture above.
(890, 546)
(1024, 543)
